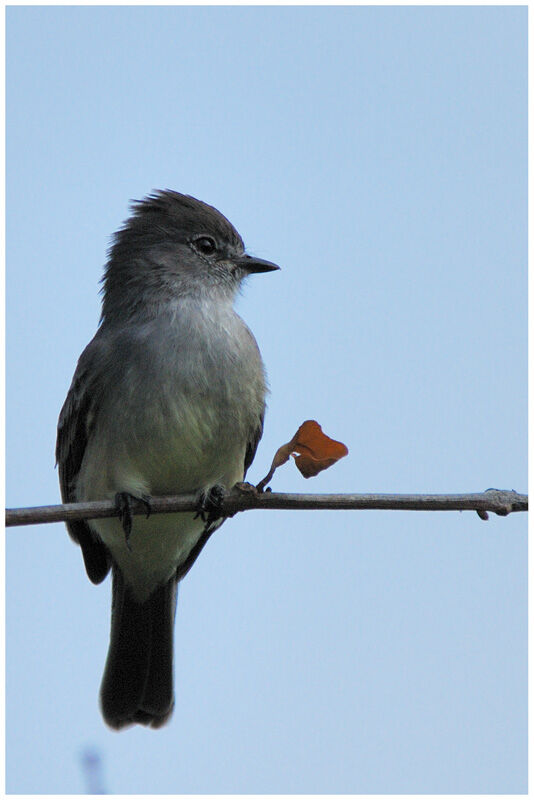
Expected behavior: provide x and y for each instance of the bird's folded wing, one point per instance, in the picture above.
(75, 422)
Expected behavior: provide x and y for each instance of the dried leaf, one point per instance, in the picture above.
(312, 450)
(317, 450)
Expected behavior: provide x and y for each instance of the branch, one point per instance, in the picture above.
(501, 502)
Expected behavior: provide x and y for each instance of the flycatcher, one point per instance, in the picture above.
(168, 398)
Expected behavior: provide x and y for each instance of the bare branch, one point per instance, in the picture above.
(500, 502)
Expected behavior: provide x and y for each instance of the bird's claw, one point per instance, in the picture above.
(209, 506)
(123, 504)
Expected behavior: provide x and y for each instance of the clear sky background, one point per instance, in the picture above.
(378, 154)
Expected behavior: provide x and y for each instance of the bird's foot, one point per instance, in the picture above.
(209, 506)
(123, 504)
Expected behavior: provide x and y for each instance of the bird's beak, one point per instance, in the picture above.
(250, 264)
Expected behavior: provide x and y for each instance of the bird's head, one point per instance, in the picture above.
(174, 246)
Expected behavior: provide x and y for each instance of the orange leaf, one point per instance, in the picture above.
(316, 451)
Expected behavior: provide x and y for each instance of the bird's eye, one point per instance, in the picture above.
(205, 245)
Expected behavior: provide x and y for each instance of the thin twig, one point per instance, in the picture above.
(501, 502)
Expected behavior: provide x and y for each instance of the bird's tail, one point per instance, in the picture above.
(138, 678)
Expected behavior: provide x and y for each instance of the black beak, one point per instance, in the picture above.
(251, 264)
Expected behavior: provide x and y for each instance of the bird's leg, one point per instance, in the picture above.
(123, 504)
(209, 506)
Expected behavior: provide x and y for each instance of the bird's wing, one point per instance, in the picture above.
(74, 428)
(252, 444)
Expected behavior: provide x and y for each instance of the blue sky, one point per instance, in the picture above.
(378, 154)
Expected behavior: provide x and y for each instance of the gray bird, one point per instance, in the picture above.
(168, 398)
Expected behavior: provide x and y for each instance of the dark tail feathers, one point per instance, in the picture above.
(138, 678)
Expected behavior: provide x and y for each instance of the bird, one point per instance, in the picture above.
(169, 397)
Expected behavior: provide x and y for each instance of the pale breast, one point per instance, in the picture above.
(184, 396)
